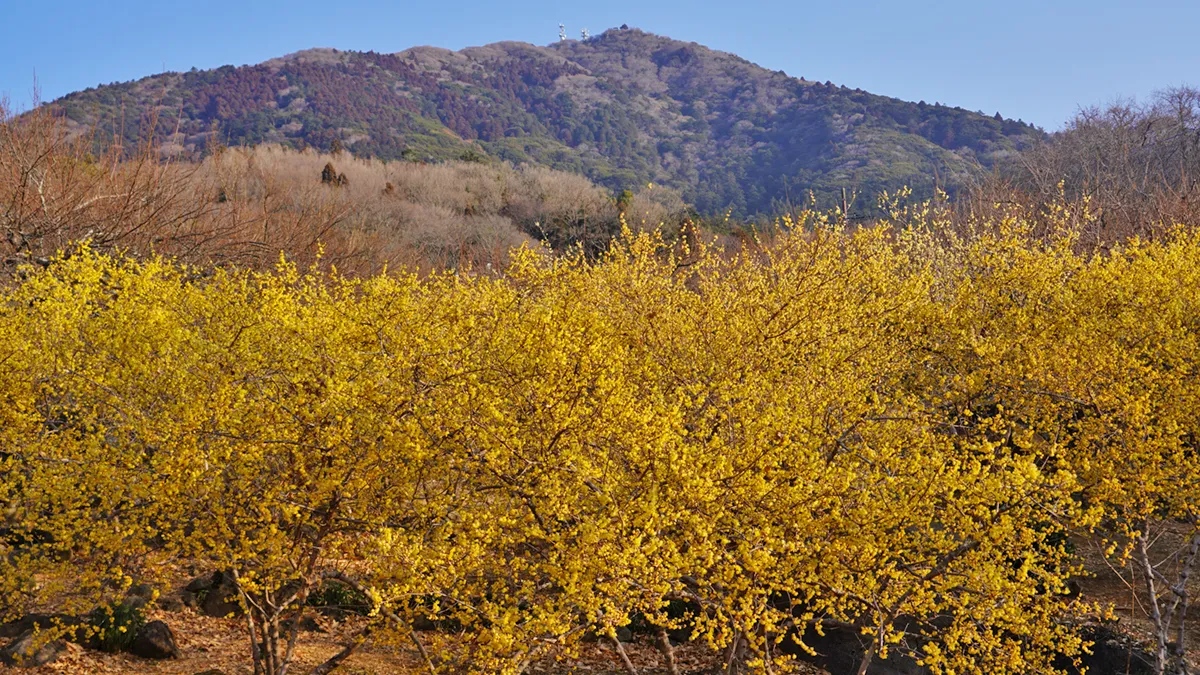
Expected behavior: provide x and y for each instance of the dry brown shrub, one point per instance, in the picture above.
(55, 193)
(246, 206)
(1134, 167)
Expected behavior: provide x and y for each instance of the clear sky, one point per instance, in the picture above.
(1035, 60)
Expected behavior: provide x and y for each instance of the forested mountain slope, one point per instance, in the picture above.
(625, 108)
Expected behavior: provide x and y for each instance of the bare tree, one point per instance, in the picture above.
(1136, 164)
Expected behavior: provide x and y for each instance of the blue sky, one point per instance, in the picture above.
(1035, 60)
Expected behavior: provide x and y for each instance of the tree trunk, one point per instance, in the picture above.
(733, 660)
(664, 643)
(337, 659)
(1180, 604)
(421, 650)
(629, 668)
(869, 656)
(1160, 629)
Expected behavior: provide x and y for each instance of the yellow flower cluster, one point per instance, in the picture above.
(877, 429)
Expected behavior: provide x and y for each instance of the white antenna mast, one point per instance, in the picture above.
(562, 33)
(585, 34)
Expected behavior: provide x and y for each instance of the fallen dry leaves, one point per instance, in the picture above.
(207, 644)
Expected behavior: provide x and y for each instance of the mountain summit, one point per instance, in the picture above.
(625, 108)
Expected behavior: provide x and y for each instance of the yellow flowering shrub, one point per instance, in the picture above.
(872, 430)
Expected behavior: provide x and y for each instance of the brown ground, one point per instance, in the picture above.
(1112, 586)
(207, 643)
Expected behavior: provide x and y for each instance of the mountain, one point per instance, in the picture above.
(625, 108)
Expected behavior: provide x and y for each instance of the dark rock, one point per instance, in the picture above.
(681, 635)
(213, 595)
(155, 641)
(307, 623)
(143, 591)
(189, 599)
(172, 603)
(201, 583)
(840, 650)
(1113, 653)
(222, 598)
(22, 538)
(41, 622)
(420, 622)
(112, 627)
(624, 634)
(194, 592)
(28, 651)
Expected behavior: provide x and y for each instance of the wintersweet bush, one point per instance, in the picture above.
(877, 429)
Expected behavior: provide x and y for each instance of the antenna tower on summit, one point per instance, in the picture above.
(584, 34)
(562, 33)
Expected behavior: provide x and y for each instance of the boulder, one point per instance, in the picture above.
(200, 583)
(222, 597)
(142, 590)
(194, 592)
(308, 623)
(171, 603)
(154, 641)
(213, 595)
(29, 650)
(1113, 653)
(681, 635)
(32, 622)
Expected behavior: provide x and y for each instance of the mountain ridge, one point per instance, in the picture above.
(625, 108)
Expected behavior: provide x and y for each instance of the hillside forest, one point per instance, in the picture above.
(624, 108)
